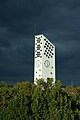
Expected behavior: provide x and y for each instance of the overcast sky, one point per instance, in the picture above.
(58, 20)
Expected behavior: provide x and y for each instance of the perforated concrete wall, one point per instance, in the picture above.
(44, 59)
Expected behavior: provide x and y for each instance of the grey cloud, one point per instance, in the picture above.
(5, 35)
(18, 61)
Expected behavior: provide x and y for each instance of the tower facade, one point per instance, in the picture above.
(44, 59)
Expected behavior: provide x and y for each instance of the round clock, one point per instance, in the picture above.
(38, 63)
(47, 63)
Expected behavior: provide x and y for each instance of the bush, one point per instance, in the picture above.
(44, 101)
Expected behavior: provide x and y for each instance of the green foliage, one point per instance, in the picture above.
(44, 101)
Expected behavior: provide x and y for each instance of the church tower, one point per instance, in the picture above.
(44, 59)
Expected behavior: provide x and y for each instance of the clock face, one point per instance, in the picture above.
(47, 63)
(38, 63)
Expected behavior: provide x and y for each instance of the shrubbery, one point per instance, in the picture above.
(44, 101)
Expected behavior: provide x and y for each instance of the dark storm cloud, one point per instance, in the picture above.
(17, 15)
(59, 20)
(17, 55)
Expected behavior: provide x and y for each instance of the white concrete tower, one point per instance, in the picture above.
(44, 59)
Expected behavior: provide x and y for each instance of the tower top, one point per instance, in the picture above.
(41, 36)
